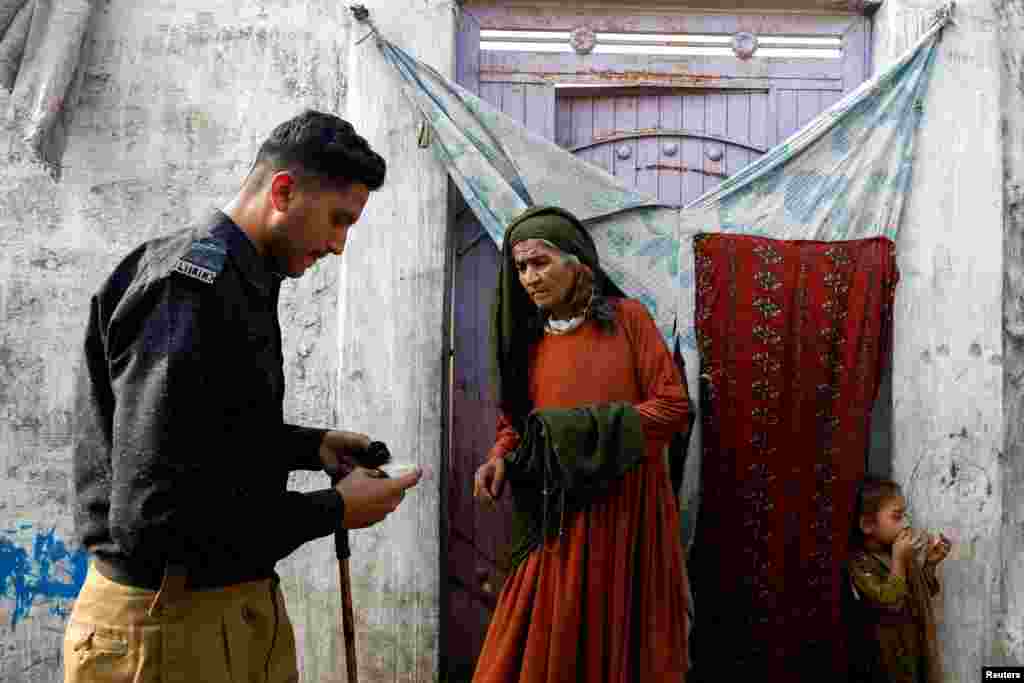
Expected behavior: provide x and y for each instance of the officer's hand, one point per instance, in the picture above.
(370, 496)
(490, 480)
(340, 451)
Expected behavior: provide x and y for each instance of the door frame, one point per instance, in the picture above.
(652, 18)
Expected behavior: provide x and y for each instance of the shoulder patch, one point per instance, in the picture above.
(203, 261)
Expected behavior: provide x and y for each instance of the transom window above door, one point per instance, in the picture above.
(743, 45)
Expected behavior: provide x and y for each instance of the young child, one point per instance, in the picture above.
(892, 572)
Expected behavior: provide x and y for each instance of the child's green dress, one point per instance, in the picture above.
(892, 623)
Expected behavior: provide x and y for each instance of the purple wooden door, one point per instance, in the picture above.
(672, 144)
(673, 126)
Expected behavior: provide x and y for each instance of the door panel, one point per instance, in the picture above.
(531, 104)
(604, 126)
(673, 145)
(671, 110)
(648, 150)
(476, 534)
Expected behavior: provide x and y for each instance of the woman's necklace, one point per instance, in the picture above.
(563, 326)
(552, 326)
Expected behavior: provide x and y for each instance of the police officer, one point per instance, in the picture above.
(182, 455)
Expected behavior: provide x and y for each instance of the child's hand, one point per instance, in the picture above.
(938, 550)
(903, 546)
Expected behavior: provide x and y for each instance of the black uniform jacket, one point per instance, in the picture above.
(182, 454)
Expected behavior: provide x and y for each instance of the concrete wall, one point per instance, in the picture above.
(174, 99)
(949, 391)
(390, 338)
(1010, 620)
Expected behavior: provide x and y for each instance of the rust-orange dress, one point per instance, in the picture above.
(607, 602)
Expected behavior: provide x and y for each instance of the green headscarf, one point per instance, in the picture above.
(511, 334)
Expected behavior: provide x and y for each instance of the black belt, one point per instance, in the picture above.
(149, 576)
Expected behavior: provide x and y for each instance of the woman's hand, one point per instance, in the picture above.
(489, 480)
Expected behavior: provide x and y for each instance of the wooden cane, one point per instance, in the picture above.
(348, 621)
(376, 455)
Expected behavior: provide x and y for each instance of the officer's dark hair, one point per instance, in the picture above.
(322, 148)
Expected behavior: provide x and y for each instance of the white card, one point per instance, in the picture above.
(398, 469)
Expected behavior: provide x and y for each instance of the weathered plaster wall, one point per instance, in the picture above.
(392, 289)
(174, 98)
(948, 375)
(1010, 628)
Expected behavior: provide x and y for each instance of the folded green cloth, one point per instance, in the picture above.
(565, 460)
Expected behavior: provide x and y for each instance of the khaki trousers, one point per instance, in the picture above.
(237, 634)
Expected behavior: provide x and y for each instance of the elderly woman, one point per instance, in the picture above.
(589, 396)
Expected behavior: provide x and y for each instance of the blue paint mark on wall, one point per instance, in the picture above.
(46, 573)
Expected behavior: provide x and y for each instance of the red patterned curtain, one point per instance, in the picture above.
(793, 336)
